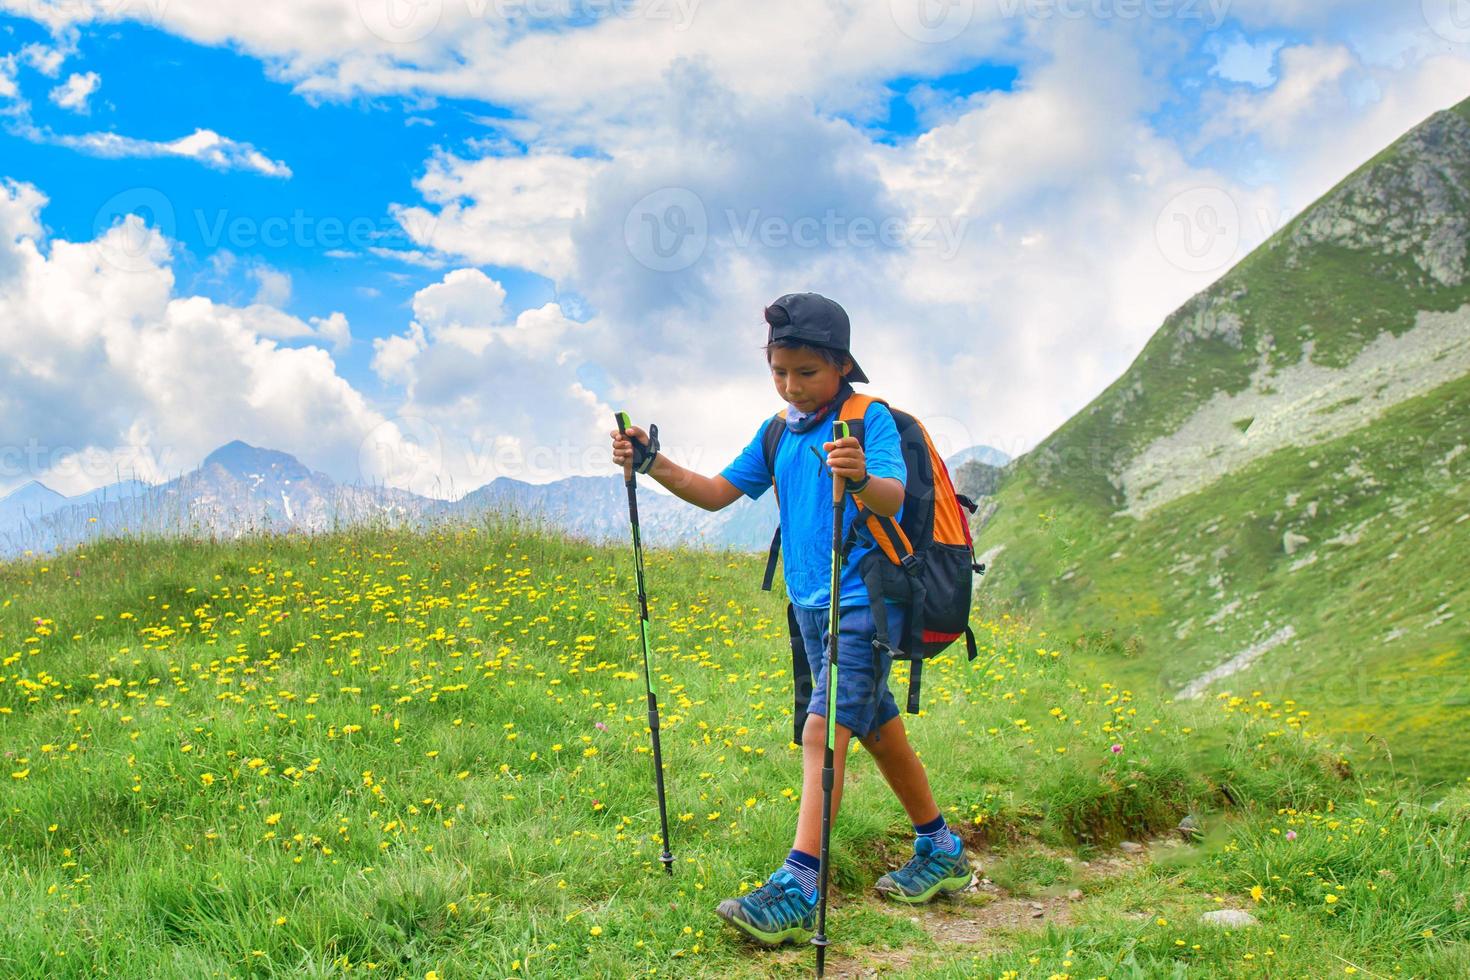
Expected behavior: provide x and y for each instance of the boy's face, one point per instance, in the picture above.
(803, 378)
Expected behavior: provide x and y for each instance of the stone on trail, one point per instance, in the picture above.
(1229, 918)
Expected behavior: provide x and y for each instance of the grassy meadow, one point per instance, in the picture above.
(387, 754)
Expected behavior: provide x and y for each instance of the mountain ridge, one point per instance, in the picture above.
(1269, 497)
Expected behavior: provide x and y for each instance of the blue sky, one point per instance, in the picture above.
(465, 201)
(290, 224)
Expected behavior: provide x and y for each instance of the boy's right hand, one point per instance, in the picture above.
(623, 448)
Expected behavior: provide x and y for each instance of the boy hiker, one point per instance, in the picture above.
(807, 352)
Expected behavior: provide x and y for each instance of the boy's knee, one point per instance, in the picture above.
(814, 733)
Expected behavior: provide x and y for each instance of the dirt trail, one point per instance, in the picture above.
(982, 918)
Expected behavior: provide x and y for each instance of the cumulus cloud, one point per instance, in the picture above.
(515, 210)
(1043, 238)
(502, 394)
(74, 93)
(599, 69)
(167, 377)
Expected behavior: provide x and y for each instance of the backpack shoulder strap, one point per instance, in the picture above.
(770, 442)
(853, 408)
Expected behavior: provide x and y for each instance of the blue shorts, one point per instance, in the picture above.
(864, 703)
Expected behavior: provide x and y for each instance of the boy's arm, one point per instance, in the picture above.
(883, 496)
(710, 493)
(883, 493)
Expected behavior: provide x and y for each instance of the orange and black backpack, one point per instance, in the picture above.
(924, 561)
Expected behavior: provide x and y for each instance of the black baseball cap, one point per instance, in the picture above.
(814, 319)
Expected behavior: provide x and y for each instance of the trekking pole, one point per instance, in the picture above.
(839, 495)
(630, 480)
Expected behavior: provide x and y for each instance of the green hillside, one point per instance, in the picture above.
(1276, 490)
(377, 753)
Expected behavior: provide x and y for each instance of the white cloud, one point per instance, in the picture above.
(335, 330)
(1060, 190)
(1331, 112)
(74, 93)
(204, 145)
(46, 59)
(8, 89)
(502, 395)
(574, 79)
(464, 298)
(394, 355)
(1311, 80)
(520, 213)
(167, 377)
(273, 285)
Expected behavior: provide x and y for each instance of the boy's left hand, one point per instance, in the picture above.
(845, 458)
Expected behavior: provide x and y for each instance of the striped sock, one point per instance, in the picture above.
(804, 868)
(938, 832)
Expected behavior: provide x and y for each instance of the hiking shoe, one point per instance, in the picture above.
(775, 913)
(929, 873)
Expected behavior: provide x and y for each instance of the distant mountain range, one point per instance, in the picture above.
(240, 488)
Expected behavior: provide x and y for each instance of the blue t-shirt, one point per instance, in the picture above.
(804, 490)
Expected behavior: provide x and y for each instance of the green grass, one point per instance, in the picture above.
(380, 753)
(1375, 654)
(1026, 873)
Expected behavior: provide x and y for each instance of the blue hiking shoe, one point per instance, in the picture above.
(775, 913)
(930, 872)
